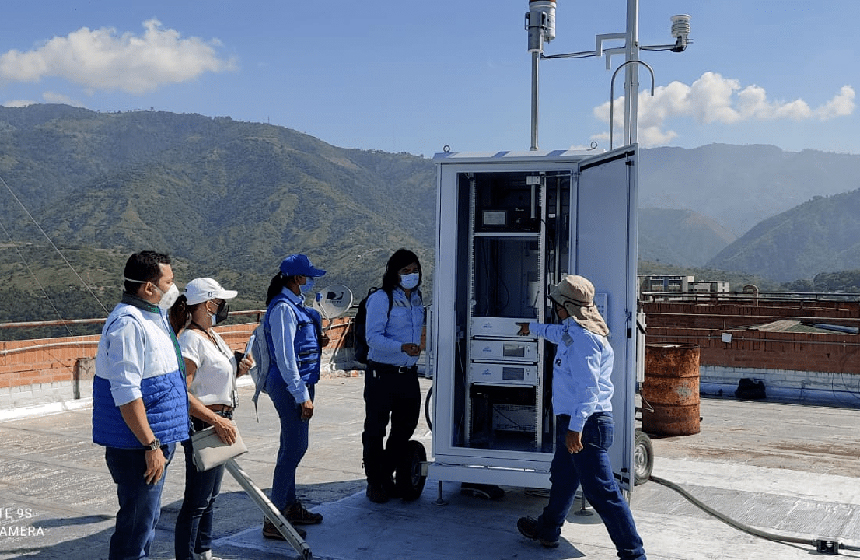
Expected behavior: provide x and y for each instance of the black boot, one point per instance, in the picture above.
(376, 492)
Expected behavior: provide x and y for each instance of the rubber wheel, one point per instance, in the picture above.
(414, 484)
(643, 458)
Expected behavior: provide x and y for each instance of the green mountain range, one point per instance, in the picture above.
(739, 186)
(229, 199)
(820, 235)
(81, 190)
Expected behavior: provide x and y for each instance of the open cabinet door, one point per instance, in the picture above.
(604, 230)
(509, 226)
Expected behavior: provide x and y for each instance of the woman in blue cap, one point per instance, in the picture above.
(295, 340)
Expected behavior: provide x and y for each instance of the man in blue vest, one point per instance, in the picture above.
(140, 403)
(295, 340)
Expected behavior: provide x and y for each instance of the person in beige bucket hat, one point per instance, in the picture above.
(576, 295)
(582, 403)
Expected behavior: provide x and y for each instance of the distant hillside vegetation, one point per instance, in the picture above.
(739, 186)
(820, 235)
(680, 237)
(230, 199)
(220, 194)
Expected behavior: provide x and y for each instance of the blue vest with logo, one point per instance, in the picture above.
(163, 390)
(306, 344)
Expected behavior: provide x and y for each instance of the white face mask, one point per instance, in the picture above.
(409, 281)
(168, 298)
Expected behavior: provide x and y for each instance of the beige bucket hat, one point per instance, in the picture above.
(576, 295)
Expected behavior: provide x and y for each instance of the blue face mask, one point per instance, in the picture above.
(307, 286)
(409, 281)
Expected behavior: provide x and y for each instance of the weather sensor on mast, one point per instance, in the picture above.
(540, 23)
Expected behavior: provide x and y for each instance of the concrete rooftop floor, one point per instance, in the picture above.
(787, 469)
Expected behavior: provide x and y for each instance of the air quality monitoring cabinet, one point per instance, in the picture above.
(509, 226)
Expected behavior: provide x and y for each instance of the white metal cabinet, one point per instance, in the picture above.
(509, 226)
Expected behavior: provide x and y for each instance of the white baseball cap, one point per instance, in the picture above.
(204, 289)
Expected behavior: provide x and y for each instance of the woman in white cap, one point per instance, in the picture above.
(581, 399)
(295, 340)
(212, 370)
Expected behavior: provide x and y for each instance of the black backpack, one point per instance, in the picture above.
(359, 327)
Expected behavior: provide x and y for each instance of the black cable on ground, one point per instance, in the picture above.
(746, 528)
(427, 409)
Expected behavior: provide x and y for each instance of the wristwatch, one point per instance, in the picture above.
(154, 445)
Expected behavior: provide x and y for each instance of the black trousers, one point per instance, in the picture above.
(390, 393)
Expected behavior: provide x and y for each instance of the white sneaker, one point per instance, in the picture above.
(207, 555)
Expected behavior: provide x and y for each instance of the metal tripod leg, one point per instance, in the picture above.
(269, 509)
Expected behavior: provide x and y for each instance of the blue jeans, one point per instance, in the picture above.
(194, 522)
(139, 502)
(294, 441)
(590, 467)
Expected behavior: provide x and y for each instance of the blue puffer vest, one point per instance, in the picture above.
(306, 344)
(164, 395)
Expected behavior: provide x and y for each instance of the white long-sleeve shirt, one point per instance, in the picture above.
(581, 383)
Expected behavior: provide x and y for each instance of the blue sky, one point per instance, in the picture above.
(414, 76)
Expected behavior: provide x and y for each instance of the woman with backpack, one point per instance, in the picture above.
(393, 328)
(295, 340)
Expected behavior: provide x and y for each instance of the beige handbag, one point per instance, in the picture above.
(209, 451)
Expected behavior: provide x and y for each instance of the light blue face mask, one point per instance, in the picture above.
(307, 286)
(409, 281)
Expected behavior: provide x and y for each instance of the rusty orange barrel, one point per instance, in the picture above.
(670, 392)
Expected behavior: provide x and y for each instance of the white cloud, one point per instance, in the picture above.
(18, 103)
(51, 97)
(102, 60)
(653, 136)
(715, 99)
(840, 106)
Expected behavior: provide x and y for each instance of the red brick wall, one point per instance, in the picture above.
(829, 353)
(705, 315)
(704, 325)
(48, 360)
(28, 362)
(51, 360)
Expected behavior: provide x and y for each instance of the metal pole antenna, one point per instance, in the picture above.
(631, 74)
(540, 24)
(535, 75)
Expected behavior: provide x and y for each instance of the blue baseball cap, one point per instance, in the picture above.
(299, 265)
